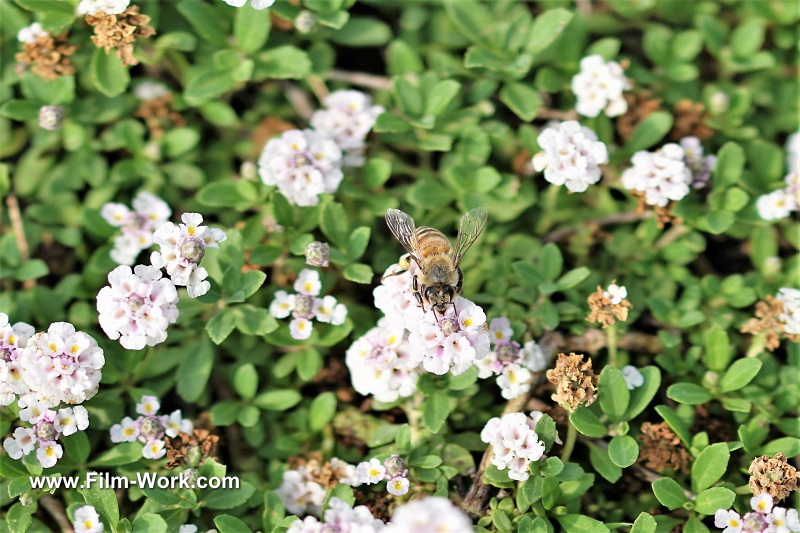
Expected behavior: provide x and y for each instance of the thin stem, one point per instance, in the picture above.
(569, 444)
(611, 339)
(56, 510)
(15, 216)
(548, 210)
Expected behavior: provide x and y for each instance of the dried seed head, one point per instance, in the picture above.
(607, 307)
(120, 32)
(318, 254)
(51, 117)
(575, 381)
(769, 322)
(661, 448)
(773, 475)
(48, 56)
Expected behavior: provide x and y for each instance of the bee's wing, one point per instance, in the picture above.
(403, 228)
(469, 228)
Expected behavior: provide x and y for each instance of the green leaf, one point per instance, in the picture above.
(740, 373)
(194, 371)
(437, 407)
(221, 325)
(713, 499)
(546, 430)
(104, 500)
(77, 447)
(572, 278)
(252, 320)
(359, 239)
(551, 491)
(730, 164)
(578, 523)
(376, 172)
(237, 194)
(789, 446)
(649, 131)
(669, 493)
(228, 498)
(108, 73)
(717, 353)
(613, 393)
(149, 523)
(675, 423)
(710, 466)
(440, 96)
(178, 141)
(623, 450)
(277, 399)
(321, 411)
(358, 273)
(265, 254)
(334, 224)
(363, 31)
(642, 396)
(245, 381)
(230, 524)
(206, 21)
(694, 525)
(391, 123)
(251, 28)
(18, 519)
(547, 28)
(645, 523)
(283, 62)
(121, 454)
(522, 99)
(587, 423)
(602, 463)
(32, 269)
(689, 393)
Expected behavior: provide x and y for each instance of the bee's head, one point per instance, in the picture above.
(440, 297)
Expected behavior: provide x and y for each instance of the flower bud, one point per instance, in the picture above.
(317, 254)
(395, 466)
(305, 22)
(192, 249)
(718, 103)
(51, 117)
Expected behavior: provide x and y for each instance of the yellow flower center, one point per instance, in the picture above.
(392, 339)
(12, 339)
(88, 524)
(75, 349)
(301, 326)
(53, 347)
(128, 431)
(398, 485)
(733, 522)
(49, 451)
(374, 472)
(308, 286)
(468, 322)
(498, 335)
(191, 230)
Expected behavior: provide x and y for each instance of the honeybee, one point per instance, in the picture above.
(440, 278)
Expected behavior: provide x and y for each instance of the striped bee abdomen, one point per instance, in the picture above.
(431, 241)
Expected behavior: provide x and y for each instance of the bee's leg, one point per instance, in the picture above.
(418, 296)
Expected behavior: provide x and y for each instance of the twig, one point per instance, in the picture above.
(555, 114)
(671, 235)
(562, 234)
(19, 234)
(56, 510)
(361, 79)
(299, 100)
(584, 6)
(317, 87)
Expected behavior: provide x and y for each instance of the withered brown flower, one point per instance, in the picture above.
(690, 119)
(661, 448)
(48, 56)
(773, 475)
(120, 32)
(640, 105)
(664, 214)
(158, 114)
(603, 311)
(575, 381)
(768, 321)
(200, 441)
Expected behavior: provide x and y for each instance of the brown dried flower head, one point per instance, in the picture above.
(768, 321)
(774, 476)
(690, 119)
(661, 448)
(200, 442)
(326, 473)
(48, 56)
(640, 105)
(664, 214)
(604, 309)
(575, 381)
(159, 116)
(120, 32)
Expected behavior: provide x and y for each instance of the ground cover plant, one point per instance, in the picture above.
(199, 285)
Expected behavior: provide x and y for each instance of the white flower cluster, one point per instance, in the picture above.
(514, 443)
(303, 164)
(347, 118)
(86, 520)
(306, 163)
(257, 4)
(571, 155)
(340, 518)
(302, 495)
(598, 87)
(393, 470)
(615, 293)
(150, 428)
(13, 340)
(380, 363)
(453, 342)
(305, 305)
(151, 90)
(433, 514)
(138, 224)
(765, 518)
(511, 364)
(48, 427)
(29, 34)
(662, 176)
(701, 165)
(783, 202)
(109, 7)
(790, 298)
(633, 378)
(61, 365)
(395, 298)
(182, 248)
(137, 306)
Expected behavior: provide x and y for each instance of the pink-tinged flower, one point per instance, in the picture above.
(430, 515)
(571, 156)
(138, 224)
(500, 330)
(308, 282)
(782, 521)
(148, 406)
(397, 486)
(328, 310)
(137, 306)
(348, 118)
(728, 521)
(371, 472)
(154, 450)
(395, 298)
(301, 328)
(126, 431)
(283, 304)
(22, 443)
(86, 520)
(13, 339)
(662, 176)
(175, 423)
(299, 494)
(761, 503)
(71, 420)
(305, 306)
(257, 4)
(182, 248)
(48, 453)
(515, 444)
(598, 87)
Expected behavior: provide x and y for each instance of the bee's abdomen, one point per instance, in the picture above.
(431, 241)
